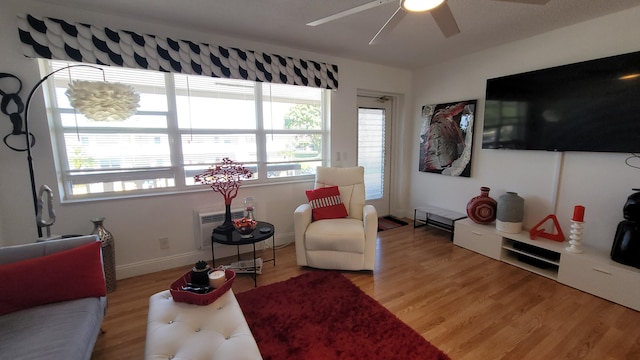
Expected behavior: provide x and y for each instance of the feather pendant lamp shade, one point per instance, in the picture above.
(103, 101)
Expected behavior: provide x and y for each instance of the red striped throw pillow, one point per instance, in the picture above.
(326, 203)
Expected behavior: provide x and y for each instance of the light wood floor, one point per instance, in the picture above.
(468, 305)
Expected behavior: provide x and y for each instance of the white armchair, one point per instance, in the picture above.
(345, 243)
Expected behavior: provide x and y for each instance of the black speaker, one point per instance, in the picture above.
(626, 244)
(631, 209)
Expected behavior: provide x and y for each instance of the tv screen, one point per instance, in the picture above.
(588, 106)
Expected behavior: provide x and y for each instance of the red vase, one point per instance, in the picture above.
(482, 208)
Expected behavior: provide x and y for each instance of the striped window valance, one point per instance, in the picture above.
(59, 40)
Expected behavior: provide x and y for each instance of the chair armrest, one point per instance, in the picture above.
(370, 217)
(370, 223)
(302, 217)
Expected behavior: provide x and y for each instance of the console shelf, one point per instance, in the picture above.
(592, 271)
(540, 258)
(530, 262)
(513, 248)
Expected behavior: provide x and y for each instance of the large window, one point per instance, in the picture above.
(183, 125)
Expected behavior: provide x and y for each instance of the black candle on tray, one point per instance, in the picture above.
(200, 273)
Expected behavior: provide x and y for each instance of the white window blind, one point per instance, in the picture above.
(371, 136)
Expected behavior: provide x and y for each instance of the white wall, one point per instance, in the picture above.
(138, 223)
(599, 181)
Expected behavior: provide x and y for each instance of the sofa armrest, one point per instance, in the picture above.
(302, 217)
(12, 254)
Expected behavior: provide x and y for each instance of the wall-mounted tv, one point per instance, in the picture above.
(588, 106)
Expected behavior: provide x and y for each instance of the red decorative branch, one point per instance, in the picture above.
(225, 178)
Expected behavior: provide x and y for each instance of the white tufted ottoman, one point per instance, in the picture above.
(182, 331)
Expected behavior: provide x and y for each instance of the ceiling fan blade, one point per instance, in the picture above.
(393, 21)
(352, 11)
(445, 20)
(534, 2)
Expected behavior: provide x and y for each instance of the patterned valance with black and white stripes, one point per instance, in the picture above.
(57, 39)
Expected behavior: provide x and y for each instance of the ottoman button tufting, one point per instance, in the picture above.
(178, 341)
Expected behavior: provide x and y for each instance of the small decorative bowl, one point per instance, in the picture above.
(245, 226)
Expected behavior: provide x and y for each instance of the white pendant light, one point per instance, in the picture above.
(103, 101)
(420, 5)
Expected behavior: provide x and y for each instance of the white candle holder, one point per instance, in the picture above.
(576, 237)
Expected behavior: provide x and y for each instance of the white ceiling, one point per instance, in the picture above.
(416, 42)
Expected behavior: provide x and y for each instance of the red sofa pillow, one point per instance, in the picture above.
(66, 275)
(326, 203)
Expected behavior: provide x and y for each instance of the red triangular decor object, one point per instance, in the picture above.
(536, 232)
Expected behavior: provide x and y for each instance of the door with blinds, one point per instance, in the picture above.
(374, 136)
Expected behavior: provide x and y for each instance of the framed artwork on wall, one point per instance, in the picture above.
(446, 138)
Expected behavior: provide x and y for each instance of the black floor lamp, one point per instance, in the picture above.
(88, 97)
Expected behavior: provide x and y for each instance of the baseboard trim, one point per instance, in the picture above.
(190, 258)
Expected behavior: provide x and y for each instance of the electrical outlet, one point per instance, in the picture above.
(164, 243)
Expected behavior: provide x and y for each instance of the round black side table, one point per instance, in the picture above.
(234, 238)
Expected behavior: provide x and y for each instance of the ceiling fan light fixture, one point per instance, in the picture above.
(420, 5)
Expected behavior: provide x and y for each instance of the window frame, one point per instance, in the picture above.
(177, 171)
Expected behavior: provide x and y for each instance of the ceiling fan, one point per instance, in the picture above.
(439, 10)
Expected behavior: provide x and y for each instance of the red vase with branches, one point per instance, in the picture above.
(225, 178)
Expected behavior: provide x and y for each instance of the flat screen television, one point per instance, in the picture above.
(588, 106)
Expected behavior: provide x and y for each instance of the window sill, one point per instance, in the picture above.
(193, 189)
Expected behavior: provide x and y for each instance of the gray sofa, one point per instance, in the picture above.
(59, 330)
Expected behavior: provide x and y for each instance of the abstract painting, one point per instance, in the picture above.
(446, 138)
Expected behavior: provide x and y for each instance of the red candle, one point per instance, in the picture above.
(578, 213)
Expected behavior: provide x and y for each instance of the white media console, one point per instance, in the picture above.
(591, 271)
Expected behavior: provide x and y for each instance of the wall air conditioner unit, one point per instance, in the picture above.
(205, 222)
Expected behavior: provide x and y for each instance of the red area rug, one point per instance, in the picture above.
(323, 315)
